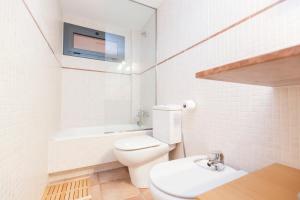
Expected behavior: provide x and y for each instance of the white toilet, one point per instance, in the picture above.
(141, 153)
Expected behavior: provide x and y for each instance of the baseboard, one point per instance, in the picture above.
(80, 172)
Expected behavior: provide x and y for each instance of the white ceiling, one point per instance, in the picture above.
(151, 3)
(123, 13)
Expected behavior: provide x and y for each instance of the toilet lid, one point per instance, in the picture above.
(137, 142)
(184, 179)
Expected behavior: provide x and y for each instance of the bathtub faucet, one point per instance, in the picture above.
(142, 114)
(216, 160)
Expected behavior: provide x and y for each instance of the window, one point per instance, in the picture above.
(88, 43)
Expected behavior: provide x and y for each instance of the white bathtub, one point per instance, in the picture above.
(89, 146)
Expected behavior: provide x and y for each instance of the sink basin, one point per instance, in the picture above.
(184, 178)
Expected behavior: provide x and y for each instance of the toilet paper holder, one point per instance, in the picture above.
(189, 105)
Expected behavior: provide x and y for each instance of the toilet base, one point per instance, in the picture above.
(140, 175)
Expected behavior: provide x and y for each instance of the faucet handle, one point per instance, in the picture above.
(216, 156)
(142, 113)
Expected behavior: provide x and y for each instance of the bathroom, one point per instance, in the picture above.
(149, 99)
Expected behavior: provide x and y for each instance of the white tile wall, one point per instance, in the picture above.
(144, 95)
(148, 94)
(95, 99)
(144, 47)
(135, 96)
(252, 125)
(143, 83)
(29, 103)
(49, 17)
(183, 23)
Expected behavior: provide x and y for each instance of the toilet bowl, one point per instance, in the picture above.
(140, 154)
(184, 179)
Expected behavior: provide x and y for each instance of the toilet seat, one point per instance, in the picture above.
(183, 179)
(136, 143)
(134, 151)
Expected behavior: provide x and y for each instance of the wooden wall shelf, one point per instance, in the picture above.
(279, 68)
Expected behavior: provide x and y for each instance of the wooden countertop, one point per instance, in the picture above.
(275, 182)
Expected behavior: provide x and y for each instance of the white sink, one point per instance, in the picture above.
(185, 179)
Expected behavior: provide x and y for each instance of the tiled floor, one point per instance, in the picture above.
(108, 185)
(116, 185)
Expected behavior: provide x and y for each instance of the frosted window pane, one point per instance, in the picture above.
(95, 44)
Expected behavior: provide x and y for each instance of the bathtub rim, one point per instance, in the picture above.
(58, 136)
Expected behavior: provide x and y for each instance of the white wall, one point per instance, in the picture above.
(92, 98)
(144, 77)
(29, 100)
(253, 126)
(95, 98)
(144, 47)
(148, 44)
(49, 17)
(148, 94)
(144, 95)
(135, 96)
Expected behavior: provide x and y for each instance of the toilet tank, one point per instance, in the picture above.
(167, 123)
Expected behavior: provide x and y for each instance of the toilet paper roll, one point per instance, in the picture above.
(189, 105)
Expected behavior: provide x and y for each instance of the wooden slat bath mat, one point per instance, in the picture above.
(77, 189)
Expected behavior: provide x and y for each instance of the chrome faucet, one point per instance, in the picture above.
(142, 114)
(216, 160)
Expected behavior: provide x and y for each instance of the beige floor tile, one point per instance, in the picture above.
(146, 194)
(112, 175)
(140, 197)
(94, 180)
(95, 188)
(116, 189)
(96, 192)
(119, 190)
